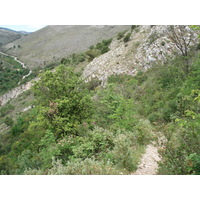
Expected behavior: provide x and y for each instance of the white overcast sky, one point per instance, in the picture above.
(28, 28)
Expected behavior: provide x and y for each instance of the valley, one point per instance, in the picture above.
(101, 100)
(21, 63)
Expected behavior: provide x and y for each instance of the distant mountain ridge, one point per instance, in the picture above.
(8, 35)
(20, 32)
(52, 43)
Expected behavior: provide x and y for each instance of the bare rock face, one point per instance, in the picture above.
(14, 93)
(147, 45)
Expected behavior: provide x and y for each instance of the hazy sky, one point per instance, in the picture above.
(28, 28)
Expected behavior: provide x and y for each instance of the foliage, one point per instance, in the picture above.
(74, 59)
(63, 100)
(6, 109)
(100, 152)
(11, 73)
(121, 35)
(134, 27)
(182, 149)
(93, 52)
(114, 110)
(87, 167)
(99, 49)
(63, 105)
(83, 128)
(127, 37)
(8, 121)
(93, 84)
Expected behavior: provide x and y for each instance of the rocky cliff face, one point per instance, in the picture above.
(14, 93)
(147, 45)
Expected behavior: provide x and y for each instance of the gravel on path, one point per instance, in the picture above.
(149, 162)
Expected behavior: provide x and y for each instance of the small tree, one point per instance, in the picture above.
(63, 100)
(182, 36)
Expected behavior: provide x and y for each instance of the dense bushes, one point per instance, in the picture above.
(93, 52)
(98, 152)
(11, 73)
(6, 109)
(86, 167)
(83, 128)
(182, 154)
(169, 97)
(64, 127)
(74, 59)
(98, 49)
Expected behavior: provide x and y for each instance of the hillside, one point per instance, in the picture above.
(7, 36)
(146, 46)
(52, 43)
(129, 105)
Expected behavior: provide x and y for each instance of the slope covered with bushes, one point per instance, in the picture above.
(86, 128)
(85, 136)
(11, 73)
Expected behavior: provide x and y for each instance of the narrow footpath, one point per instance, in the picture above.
(149, 161)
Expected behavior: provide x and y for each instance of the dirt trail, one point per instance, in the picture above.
(149, 161)
(21, 63)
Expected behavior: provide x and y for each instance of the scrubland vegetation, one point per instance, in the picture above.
(84, 128)
(11, 73)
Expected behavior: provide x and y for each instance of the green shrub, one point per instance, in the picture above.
(141, 77)
(8, 121)
(119, 78)
(133, 27)
(86, 167)
(99, 46)
(163, 43)
(126, 152)
(25, 161)
(6, 109)
(11, 74)
(107, 42)
(181, 153)
(121, 35)
(194, 163)
(104, 49)
(93, 53)
(127, 37)
(91, 47)
(74, 59)
(93, 83)
(154, 117)
(113, 110)
(93, 143)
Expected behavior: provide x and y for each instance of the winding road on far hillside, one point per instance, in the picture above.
(21, 63)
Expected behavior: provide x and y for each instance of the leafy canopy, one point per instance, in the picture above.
(63, 100)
